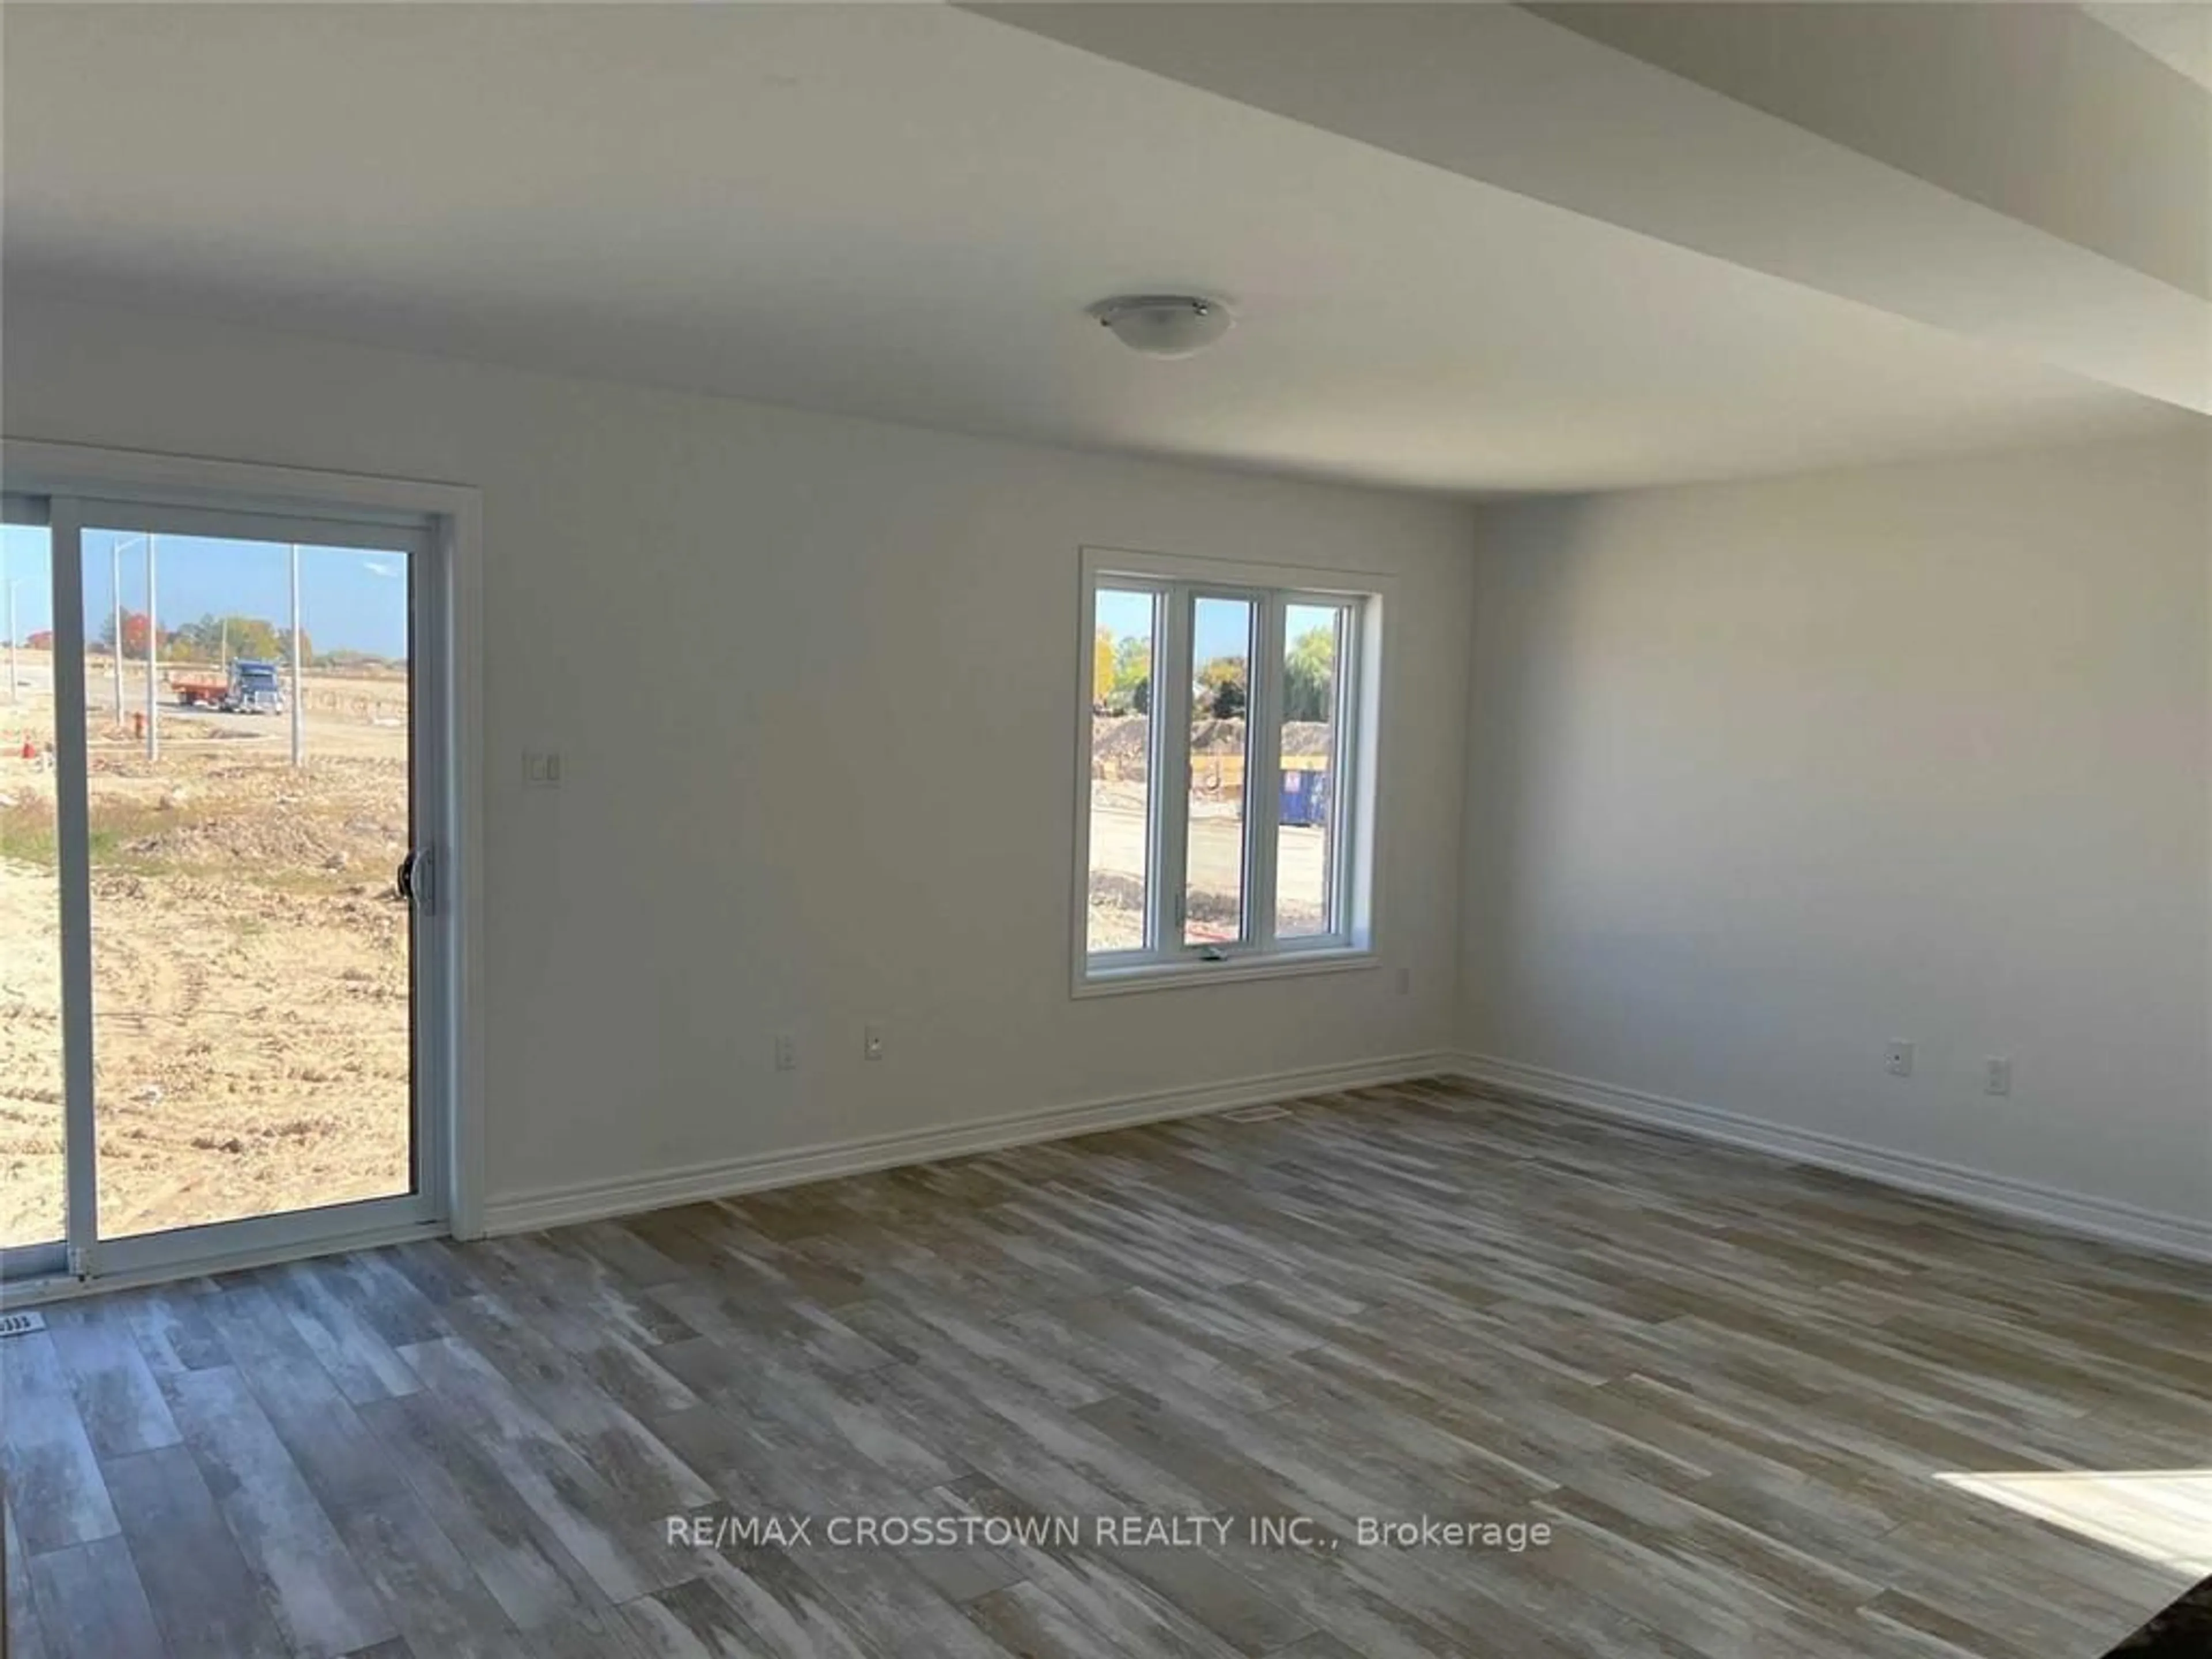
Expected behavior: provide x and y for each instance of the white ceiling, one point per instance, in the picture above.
(2010, 174)
(902, 211)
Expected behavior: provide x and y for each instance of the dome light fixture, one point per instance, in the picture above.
(1164, 325)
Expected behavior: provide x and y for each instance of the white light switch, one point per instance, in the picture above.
(541, 768)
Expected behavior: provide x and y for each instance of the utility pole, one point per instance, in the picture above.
(299, 708)
(153, 634)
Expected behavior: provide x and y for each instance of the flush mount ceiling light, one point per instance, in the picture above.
(1165, 325)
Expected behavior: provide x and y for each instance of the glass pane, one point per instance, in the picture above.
(1127, 625)
(249, 805)
(1221, 649)
(33, 1185)
(1305, 838)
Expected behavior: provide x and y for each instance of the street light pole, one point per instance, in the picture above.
(115, 600)
(153, 632)
(299, 709)
(115, 606)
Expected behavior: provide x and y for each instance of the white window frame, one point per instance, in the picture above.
(1178, 581)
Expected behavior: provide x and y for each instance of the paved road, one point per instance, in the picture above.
(33, 679)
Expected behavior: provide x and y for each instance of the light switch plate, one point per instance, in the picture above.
(541, 768)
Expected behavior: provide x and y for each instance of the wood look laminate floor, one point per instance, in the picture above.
(1764, 1412)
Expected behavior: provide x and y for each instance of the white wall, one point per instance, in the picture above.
(1757, 777)
(813, 682)
(1764, 775)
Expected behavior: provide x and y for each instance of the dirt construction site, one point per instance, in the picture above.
(1119, 798)
(251, 979)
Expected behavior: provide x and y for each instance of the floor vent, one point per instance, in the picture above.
(21, 1324)
(1256, 1114)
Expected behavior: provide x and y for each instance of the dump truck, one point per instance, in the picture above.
(250, 687)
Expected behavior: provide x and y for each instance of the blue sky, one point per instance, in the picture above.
(1222, 626)
(349, 599)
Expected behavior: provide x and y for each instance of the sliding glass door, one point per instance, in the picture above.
(33, 1177)
(213, 1006)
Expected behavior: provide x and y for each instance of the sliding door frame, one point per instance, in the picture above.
(439, 526)
(49, 1258)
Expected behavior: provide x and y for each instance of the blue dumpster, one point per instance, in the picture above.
(1306, 798)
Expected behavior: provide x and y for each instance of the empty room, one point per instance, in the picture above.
(1090, 830)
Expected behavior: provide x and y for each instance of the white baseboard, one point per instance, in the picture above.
(2097, 1218)
(591, 1200)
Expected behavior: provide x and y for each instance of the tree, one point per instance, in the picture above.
(1133, 674)
(1220, 690)
(220, 639)
(1309, 676)
(1102, 669)
(134, 632)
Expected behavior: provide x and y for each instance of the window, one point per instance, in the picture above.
(1227, 745)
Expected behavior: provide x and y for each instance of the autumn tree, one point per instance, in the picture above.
(134, 632)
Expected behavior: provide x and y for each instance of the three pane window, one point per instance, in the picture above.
(1223, 819)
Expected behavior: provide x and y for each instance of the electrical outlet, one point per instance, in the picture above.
(1996, 1075)
(787, 1052)
(1404, 981)
(1897, 1059)
(872, 1042)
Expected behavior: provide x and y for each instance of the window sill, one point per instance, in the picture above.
(1164, 977)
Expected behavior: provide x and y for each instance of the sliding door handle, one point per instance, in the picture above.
(413, 880)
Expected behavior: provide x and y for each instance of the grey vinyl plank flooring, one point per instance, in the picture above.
(427, 1584)
(795, 1616)
(22, 1636)
(520, 1562)
(359, 1363)
(1765, 1411)
(609, 1537)
(118, 1401)
(91, 1604)
(174, 1331)
(55, 1490)
(314, 1586)
(334, 1452)
(206, 1601)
